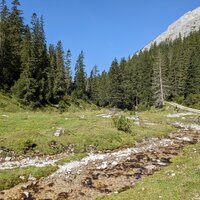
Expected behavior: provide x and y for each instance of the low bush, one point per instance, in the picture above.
(122, 123)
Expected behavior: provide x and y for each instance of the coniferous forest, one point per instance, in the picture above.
(39, 75)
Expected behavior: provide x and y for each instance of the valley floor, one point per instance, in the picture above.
(92, 158)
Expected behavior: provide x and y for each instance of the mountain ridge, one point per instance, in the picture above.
(187, 23)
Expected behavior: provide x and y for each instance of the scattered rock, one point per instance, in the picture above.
(22, 178)
(31, 178)
(82, 117)
(51, 184)
(27, 196)
(150, 168)
(177, 115)
(62, 196)
(59, 132)
(6, 116)
(8, 159)
(90, 149)
(186, 139)
(135, 118)
(107, 115)
(194, 127)
(197, 119)
(173, 174)
(88, 182)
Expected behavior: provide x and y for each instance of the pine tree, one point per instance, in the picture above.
(115, 87)
(32, 86)
(193, 71)
(68, 72)
(5, 49)
(51, 73)
(39, 59)
(25, 87)
(15, 21)
(60, 85)
(80, 78)
(103, 93)
(93, 85)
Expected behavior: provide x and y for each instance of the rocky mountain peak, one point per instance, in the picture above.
(186, 24)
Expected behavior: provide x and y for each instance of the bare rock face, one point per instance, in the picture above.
(186, 24)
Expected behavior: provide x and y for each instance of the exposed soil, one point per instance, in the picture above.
(102, 174)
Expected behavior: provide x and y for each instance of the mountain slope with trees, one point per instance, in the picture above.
(39, 75)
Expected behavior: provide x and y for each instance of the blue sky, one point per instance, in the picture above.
(105, 29)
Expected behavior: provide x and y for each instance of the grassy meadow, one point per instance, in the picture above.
(28, 133)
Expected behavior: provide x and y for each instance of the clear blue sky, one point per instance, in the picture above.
(105, 29)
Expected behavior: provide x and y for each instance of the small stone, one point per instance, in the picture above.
(24, 187)
(8, 159)
(31, 178)
(173, 174)
(59, 132)
(82, 116)
(114, 163)
(88, 182)
(63, 195)
(150, 168)
(22, 178)
(5, 116)
(27, 196)
(186, 139)
(198, 168)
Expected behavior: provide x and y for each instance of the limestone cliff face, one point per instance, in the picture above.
(188, 23)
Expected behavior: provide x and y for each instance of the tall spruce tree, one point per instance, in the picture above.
(80, 78)
(68, 71)
(24, 88)
(93, 85)
(103, 93)
(115, 85)
(51, 73)
(60, 85)
(39, 59)
(5, 49)
(16, 27)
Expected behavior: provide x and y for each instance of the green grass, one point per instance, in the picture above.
(162, 185)
(10, 178)
(19, 128)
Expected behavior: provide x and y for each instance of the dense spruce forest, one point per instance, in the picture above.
(38, 75)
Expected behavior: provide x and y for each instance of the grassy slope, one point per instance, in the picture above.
(17, 126)
(163, 185)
